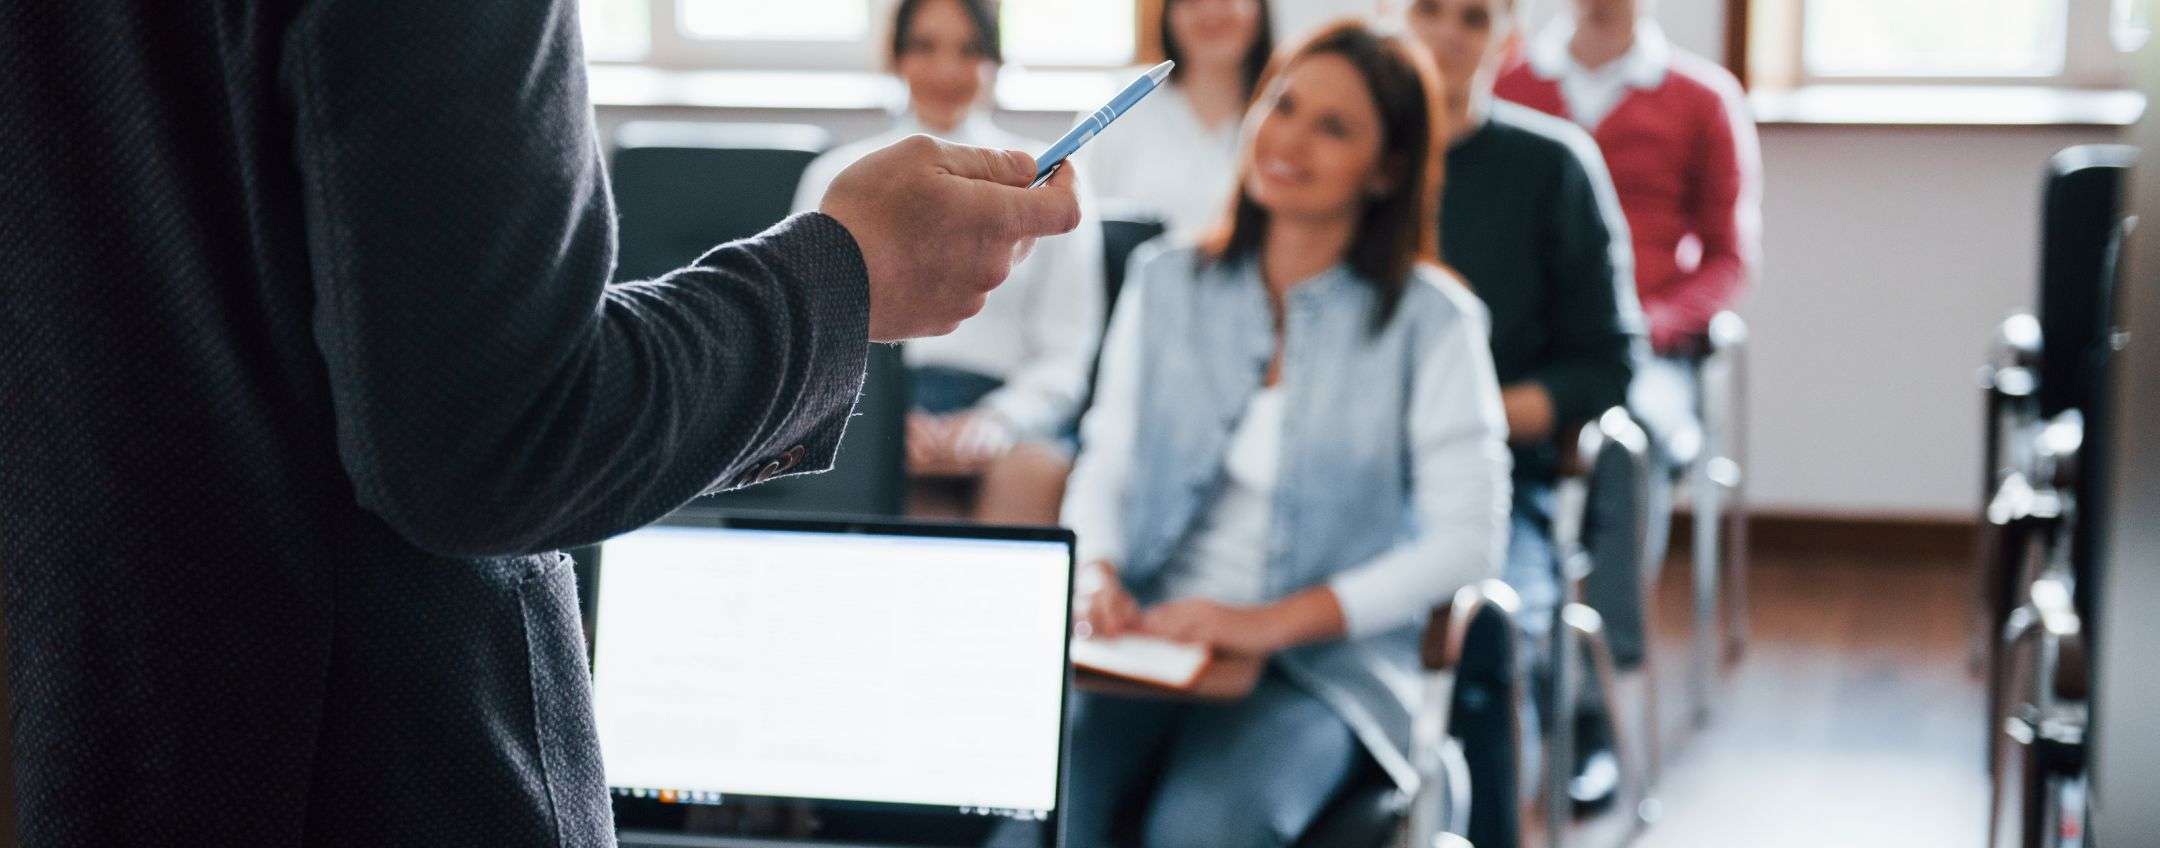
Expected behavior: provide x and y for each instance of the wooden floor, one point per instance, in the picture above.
(1852, 719)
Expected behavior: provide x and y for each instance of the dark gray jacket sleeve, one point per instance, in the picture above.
(1596, 327)
(494, 396)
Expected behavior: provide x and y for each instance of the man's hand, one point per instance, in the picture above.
(940, 225)
(1530, 414)
(958, 445)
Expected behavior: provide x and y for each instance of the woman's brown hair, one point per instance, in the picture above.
(1400, 229)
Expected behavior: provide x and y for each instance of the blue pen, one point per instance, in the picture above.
(1048, 163)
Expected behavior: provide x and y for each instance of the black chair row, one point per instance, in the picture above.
(2046, 421)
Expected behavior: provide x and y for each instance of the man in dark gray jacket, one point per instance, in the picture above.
(307, 366)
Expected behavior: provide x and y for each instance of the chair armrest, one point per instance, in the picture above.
(2055, 613)
(1727, 332)
(2056, 451)
(1448, 629)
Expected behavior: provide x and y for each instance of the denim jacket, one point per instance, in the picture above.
(1393, 480)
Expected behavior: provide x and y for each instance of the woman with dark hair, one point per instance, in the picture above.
(1296, 451)
(995, 398)
(1174, 154)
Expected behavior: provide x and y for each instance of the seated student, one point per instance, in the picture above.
(1529, 219)
(1175, 154)
(995, 398)
(1296, 452)
(1684, 156)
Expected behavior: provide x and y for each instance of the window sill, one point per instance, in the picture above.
(1946, 106)
(631, 86)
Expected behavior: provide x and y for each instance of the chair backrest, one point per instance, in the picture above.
(869, 477)
(2095, 462)
(682, 188)
(1121, 236)
(1491, 692)
(2080, 210)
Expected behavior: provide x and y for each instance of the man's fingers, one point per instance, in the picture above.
(1024, 213)
(1005, 167)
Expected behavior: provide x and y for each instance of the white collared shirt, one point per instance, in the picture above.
(1593, 93)
(1038, 331)
(1161, 159)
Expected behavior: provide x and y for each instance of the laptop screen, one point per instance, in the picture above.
(831, 682)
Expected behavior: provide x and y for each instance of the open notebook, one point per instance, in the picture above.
(1143, 659)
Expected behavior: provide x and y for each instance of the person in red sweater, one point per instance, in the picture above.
(1683, 155)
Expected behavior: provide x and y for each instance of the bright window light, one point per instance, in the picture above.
(616, 30)
(1068, 32)
(775, 20)
(1935, 38)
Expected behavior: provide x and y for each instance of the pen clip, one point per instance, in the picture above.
(1047, 174)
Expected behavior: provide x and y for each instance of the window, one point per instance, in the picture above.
(764, 20)
(838, 34)
(2059, 43)
(1934, 38)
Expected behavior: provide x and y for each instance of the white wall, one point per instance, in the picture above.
(1891, 253)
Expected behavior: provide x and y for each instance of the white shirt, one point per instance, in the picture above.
(1225, 558)
(1038, 331)
(1593, 93)
(1161, 159)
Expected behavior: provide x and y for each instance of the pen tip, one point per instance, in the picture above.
(1158, 72)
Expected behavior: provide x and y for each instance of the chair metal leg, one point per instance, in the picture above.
(1736, 535)
(1589, 627)
(1703, 637)
(1442, 804)
(1653, 750)
(2020, 628)
(1559, 730)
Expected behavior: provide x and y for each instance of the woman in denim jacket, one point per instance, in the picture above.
(1297, 450)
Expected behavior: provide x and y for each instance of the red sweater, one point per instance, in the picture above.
(1686, 163)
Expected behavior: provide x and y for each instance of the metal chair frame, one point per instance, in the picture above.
(2038, 708)
(1718, 553)
(1578, 626)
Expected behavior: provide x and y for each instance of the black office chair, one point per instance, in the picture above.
(1611, 453)
(1121, 236)
(2045, 514)
(2042, 680)
(2040, 368)
(1469, 783)
(683, 187)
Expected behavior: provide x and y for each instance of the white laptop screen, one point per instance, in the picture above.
(880, 668)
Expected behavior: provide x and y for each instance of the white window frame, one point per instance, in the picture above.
(669, 46)
(2090, 58)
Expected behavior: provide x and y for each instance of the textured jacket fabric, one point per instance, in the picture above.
(307, 364)
(1392, 487)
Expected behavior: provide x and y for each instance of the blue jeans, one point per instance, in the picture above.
(941, 391)
(1164, 774)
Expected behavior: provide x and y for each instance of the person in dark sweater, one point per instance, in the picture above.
(309, 364)
(1530, 218)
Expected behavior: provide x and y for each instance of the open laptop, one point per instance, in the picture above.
(777, 682)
